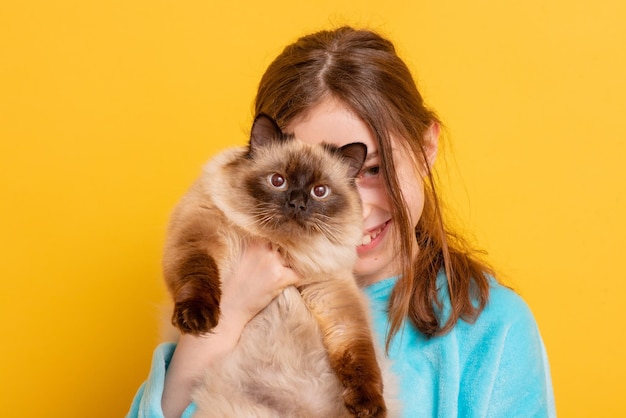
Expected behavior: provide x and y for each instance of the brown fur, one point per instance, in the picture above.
(310, 352)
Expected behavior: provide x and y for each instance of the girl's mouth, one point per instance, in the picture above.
(373, 237)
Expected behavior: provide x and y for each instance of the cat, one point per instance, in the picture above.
(310, 352)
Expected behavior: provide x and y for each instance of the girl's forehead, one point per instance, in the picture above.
(332, 122)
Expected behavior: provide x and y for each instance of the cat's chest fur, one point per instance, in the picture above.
(284, 365)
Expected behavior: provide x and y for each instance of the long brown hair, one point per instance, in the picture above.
(362, 70)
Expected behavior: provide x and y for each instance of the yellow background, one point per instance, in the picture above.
(108, 109)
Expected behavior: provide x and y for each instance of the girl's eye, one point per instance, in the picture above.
(320, 191)
(277, 181)
(371, 171)
(370, 176)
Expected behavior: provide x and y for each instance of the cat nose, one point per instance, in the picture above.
(297, 201)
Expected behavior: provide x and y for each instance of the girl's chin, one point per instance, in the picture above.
(369, 271)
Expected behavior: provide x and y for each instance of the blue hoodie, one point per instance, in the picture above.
(494, 367)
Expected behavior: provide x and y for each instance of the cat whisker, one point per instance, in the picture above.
(264, 216)
(328, 230)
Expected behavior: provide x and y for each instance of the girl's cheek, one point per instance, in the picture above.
(372, 193)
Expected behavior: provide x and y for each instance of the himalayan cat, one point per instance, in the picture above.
(309, 353)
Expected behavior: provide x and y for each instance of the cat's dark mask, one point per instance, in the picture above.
(265, 130)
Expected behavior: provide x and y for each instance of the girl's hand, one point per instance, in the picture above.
(258, 277)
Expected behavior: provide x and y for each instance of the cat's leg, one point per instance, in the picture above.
(192, 274)
(197, 297)
(341, 313)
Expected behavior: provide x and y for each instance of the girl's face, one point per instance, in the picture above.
(332, 122)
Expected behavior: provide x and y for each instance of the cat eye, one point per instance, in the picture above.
(277, 181)
(320, 191)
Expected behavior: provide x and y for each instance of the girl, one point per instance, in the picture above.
(461, 343)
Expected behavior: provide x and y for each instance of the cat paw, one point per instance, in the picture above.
(365, 405)
(194, 316)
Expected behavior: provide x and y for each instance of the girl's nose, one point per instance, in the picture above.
(366, 201)
(367, 209)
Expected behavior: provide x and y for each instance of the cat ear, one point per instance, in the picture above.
(264, 131)
(354, 154)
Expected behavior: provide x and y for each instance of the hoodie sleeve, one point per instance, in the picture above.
(514, 377)
(522, 385)
(147, 401)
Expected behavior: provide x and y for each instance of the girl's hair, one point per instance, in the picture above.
(362, 70)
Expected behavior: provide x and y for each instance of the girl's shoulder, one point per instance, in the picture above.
(506, 321)
(506, 305)
(505, 310)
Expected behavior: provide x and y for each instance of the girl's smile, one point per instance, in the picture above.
(373, 237)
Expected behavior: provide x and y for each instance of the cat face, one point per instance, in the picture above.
(297, 188)
(297, 192)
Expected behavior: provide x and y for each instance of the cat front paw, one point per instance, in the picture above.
(365, 403)
(194, 316)
(362, 382)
